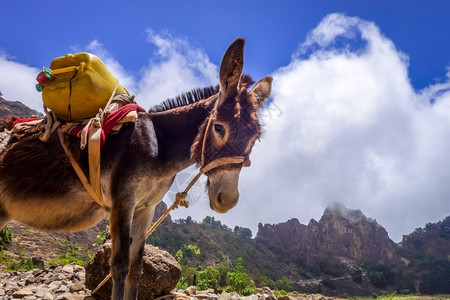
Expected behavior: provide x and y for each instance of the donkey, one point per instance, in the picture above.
(39, 187)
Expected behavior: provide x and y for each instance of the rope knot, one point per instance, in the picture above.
(180, 199)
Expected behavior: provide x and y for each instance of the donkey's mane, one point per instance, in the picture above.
(196, 95)
(186, 98)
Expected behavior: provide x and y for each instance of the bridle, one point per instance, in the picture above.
(242, 160)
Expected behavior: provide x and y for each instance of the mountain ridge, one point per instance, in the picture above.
(16, 108)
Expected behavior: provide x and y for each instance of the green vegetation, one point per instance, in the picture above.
(245, 232)
(24, 264)
(270, 263)
(74, 254)
(186, 251)
(239, 281)
(101, 237)
(5, 237)
(220, 278)
(21, 264)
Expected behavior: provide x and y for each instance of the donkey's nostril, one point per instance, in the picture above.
(219, 198)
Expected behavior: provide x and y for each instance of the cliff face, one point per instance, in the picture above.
(340, 231)
(8, 108)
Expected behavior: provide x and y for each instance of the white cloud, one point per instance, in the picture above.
(125, 79)
(354, 131)
(17, 82)
(176, 67)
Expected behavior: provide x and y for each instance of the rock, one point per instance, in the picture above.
(206, 295)
(77, 287)
(284, 297)
(69, 296)
(206, 291)
(30, 279)
(58, 269)
(191, 291)
(228, 296)
(41, 293)
(267, 291)
(48, 296)
(319, 297)
(67, 269)
(54, 285)
(161, 272)
(22, 293)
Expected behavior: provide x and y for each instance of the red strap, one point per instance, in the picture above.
(110, 121)
(76, 131)
(23, 120)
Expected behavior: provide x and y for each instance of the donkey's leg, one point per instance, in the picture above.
(141, 221)
(120, 224)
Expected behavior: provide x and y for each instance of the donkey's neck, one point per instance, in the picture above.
(176, 130)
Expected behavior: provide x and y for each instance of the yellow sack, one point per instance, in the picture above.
(77, 85)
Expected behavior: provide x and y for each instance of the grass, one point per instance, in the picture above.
(74, 254)
(22, 264)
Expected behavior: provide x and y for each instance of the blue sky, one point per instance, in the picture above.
(35, 31)
(351, 119)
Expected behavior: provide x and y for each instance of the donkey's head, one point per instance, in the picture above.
(232, 128)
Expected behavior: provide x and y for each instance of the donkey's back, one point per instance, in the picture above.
(39, 187)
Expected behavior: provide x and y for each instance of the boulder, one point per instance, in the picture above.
(161, 273)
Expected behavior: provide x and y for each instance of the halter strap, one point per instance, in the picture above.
(219, 161)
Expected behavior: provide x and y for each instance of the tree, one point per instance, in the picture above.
(208, 279)
(284, 284)
(357, 275)
(243, 231)
(186, 251)
(240, 282)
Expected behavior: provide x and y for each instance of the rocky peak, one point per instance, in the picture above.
(340, 231)
(351, 215)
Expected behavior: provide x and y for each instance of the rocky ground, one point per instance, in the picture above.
(67, 283)
(47, 246)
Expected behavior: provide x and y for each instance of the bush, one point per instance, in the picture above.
(24, 264)
(305, 274)
(380, 275)
(284, 284)
(5, 237)
(239, 281)
(66, 259)
(330, 265)
(357, 276)
(328, 282)
(436, 281)
(404, 292)
(208, 279)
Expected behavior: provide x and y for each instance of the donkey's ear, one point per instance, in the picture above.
(231, 69)
(261, 90)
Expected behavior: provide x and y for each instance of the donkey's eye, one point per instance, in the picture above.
(219, 129)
